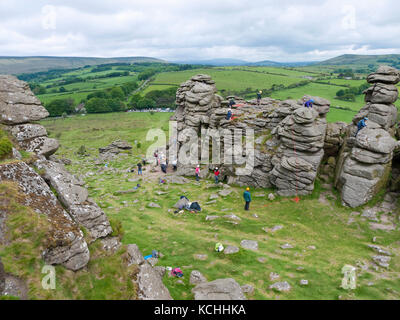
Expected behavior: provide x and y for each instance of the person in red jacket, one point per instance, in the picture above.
(216, 175)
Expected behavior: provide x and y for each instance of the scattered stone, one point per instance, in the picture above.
(380, 250)
(221, 289)
(196, 277)
(249, 244)
(211, 202)
(233, 217)
(231, 250)
(312, 248)
(214, 196)
(274, 276)
(286, 246)
(370, 214)
(271, 197)
(153, 205)
(255, 215)
(201, 257)
(248, 289)
(211, 218)
(382, 261)
(281, 286)
(262, 260)
(304, 282)
(225, 192)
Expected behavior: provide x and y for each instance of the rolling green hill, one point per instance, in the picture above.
(17, 65)
(365, 60)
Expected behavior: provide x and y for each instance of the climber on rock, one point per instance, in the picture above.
(229, 114)
(232, 102)
(360, 125)
(309, 103)
(259, 93)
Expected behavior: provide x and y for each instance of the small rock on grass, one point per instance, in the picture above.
(304, 282)
(281, 286)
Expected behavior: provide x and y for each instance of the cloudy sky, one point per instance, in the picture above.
(280, 30)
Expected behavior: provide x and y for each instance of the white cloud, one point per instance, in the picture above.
(284, 30)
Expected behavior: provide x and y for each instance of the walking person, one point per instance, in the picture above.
(139, 167)
(247, 199)
(232, 102)
(197, 172)
(216, 175)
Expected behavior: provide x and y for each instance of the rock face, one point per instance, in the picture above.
(364, 163)
(2, 278)
(149, 279)
(288, 138)
(17, 102)
(300, 151)
(66, 243)
(221, 289)
(75, 199)
(113, 150)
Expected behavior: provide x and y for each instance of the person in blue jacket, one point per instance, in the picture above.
(247, 199)
(360, 125)
(229, 114)
(309, 103)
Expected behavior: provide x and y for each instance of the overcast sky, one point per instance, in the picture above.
(280, 30)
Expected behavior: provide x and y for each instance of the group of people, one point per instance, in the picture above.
(217, 174)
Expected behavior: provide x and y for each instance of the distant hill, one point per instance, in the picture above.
(18, 65)
(364, 60)
(226, 62)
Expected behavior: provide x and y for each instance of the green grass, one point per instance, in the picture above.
(179, 237)
(106, 276)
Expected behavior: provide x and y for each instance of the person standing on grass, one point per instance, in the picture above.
(197, 172)
(259, 97)
(216, 175)
(247, 199)
(139, 167)
(156, 157)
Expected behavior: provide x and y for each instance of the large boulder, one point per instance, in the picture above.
(42, 146)
(17, 102)
(221, 289)
(28, 131)
(381, 93)
(74, 197)
(66, 243)
(149, 279)
(385, 74)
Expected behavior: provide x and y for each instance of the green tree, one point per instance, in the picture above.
(57, 107)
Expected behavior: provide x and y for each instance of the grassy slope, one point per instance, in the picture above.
(180, 237)
(105, 277)
(17, 65)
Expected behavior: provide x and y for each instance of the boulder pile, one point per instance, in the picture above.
(364, 162)
(301, 137)
(288, 138)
